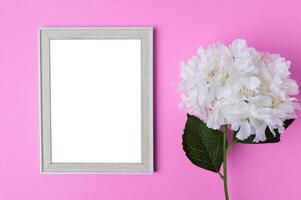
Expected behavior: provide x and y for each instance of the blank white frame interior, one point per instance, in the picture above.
(96, 100)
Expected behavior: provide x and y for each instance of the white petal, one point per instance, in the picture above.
(291, 87)
(202, 95)
(253, 83)
(260, 133)
(272, 130)
(244, 131)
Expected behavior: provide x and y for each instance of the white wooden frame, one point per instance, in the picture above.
(146, 37)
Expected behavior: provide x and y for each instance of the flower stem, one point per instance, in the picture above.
(225, 178)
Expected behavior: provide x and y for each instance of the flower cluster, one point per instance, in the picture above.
(241, 87)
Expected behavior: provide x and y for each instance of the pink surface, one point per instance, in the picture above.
(256, 171)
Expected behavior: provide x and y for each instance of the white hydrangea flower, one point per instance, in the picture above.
(239, 86)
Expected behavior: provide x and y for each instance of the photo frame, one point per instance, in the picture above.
(96, 90)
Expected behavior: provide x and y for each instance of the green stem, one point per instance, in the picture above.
(225, 178)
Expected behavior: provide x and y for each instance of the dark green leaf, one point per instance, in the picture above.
(270, 137)
(203, 146)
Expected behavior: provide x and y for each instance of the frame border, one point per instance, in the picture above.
(145, 34)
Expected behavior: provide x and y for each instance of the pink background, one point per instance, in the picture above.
(256, 171)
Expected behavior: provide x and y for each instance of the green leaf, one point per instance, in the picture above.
(269, 135)
(203, 146)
